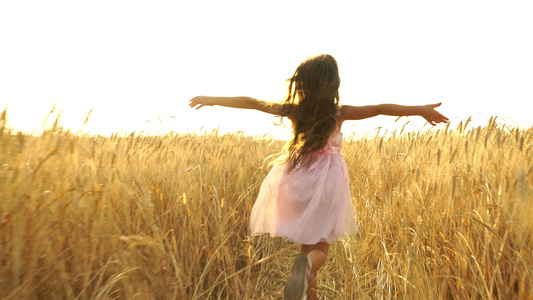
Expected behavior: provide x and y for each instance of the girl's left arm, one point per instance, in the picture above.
(237, 102)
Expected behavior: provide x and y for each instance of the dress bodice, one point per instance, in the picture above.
(332, 147)
(334, 144)
(335, 140)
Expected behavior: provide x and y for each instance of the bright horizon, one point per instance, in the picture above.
(136, 65)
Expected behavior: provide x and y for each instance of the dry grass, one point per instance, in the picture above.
(443, 214)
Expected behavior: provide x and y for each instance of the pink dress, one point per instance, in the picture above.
(310, 204)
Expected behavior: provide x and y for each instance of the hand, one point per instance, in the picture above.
(201, 101)
(431, 115)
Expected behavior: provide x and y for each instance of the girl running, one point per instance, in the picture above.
(306, 195)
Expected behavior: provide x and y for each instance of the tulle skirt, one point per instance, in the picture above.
(310, 204)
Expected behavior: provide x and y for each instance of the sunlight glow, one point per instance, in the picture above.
(136, 65)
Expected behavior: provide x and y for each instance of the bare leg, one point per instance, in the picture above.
(318, 254)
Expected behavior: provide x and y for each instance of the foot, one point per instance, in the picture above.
(296, 287)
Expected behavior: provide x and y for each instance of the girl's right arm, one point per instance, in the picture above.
(428, 112)
(237, 102)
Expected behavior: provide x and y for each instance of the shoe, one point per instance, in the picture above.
(296, 286)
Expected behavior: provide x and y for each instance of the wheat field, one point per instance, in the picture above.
(445, 214)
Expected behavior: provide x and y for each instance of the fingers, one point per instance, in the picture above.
(442, 119)
(436, 117)
(195, 102)
(200, 101)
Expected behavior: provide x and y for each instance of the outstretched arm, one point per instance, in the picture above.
(237, 102)
(428, 112)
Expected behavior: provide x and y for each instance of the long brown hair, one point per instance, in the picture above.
(312, 103)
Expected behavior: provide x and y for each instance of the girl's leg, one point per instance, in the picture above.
(318, 254)
(297, 284)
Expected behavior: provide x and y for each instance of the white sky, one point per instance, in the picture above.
(139, 61)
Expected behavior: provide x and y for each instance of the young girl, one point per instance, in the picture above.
(306, 195)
